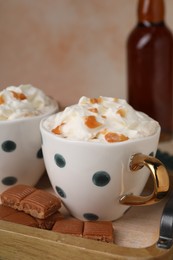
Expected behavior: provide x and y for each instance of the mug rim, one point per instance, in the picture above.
(66, 140)
(53, 110)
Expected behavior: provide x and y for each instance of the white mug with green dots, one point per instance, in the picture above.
(99, 180)
(21, 159)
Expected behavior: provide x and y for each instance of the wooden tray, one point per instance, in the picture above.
(136, 236)
(20, 242)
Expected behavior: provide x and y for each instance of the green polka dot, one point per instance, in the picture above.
(8, 181)
(39, 154)
(59, 160)
(101, 178)
(60, 192)
(90, 216)
(8, 146)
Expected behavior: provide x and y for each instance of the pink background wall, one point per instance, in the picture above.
(68, 48)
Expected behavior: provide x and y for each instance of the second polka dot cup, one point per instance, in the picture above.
(21, 159)
(99, 181)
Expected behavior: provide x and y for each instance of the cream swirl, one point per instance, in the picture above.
(102, 119)
(24, 101)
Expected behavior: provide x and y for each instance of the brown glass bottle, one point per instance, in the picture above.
(150, 66)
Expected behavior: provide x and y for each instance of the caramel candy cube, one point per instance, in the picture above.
(99, 230)
(70, 226)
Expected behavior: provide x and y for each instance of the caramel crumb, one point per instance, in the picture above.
(1, 100)
(94, 110)
(114, 137)
(19, 96)
(121, 112)
(91, 122)
(96, 100)
(116, 99)
(57, 130)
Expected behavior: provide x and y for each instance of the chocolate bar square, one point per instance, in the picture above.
(19, 217)
(40, 204)
(70, 226)
(48, 222)
(99, 230)
(37, 203)
(5, 211)
(14, 195)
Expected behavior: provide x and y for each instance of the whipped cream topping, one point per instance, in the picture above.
(102, 119)
(24, 101)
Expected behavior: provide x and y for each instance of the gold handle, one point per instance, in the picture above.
(160, 178)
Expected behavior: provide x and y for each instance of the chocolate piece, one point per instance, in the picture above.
(70, 226)
(40, 204)
(37, 203)
(99, 230)
(13, 215)
(21, 218)
(13, 196)
(5, 211)
(48, 222)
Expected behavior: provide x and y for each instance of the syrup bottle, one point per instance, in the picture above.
(150, 66)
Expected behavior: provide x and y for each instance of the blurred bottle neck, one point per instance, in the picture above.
(151, 12)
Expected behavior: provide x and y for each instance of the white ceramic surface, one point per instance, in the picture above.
(21, 159)
(91, 177)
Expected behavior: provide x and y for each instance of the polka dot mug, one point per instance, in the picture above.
(98, 181)
(21, 159)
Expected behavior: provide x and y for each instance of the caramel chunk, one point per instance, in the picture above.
(93, 109)
(19, 96)
(1, 100)
(116, 99)
(121, 112)
(99, 230)
(114, 137)
(70, 226)
(57, 130)
(91, 122)
(96, 100)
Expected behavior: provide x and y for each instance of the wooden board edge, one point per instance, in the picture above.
(17, 241)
